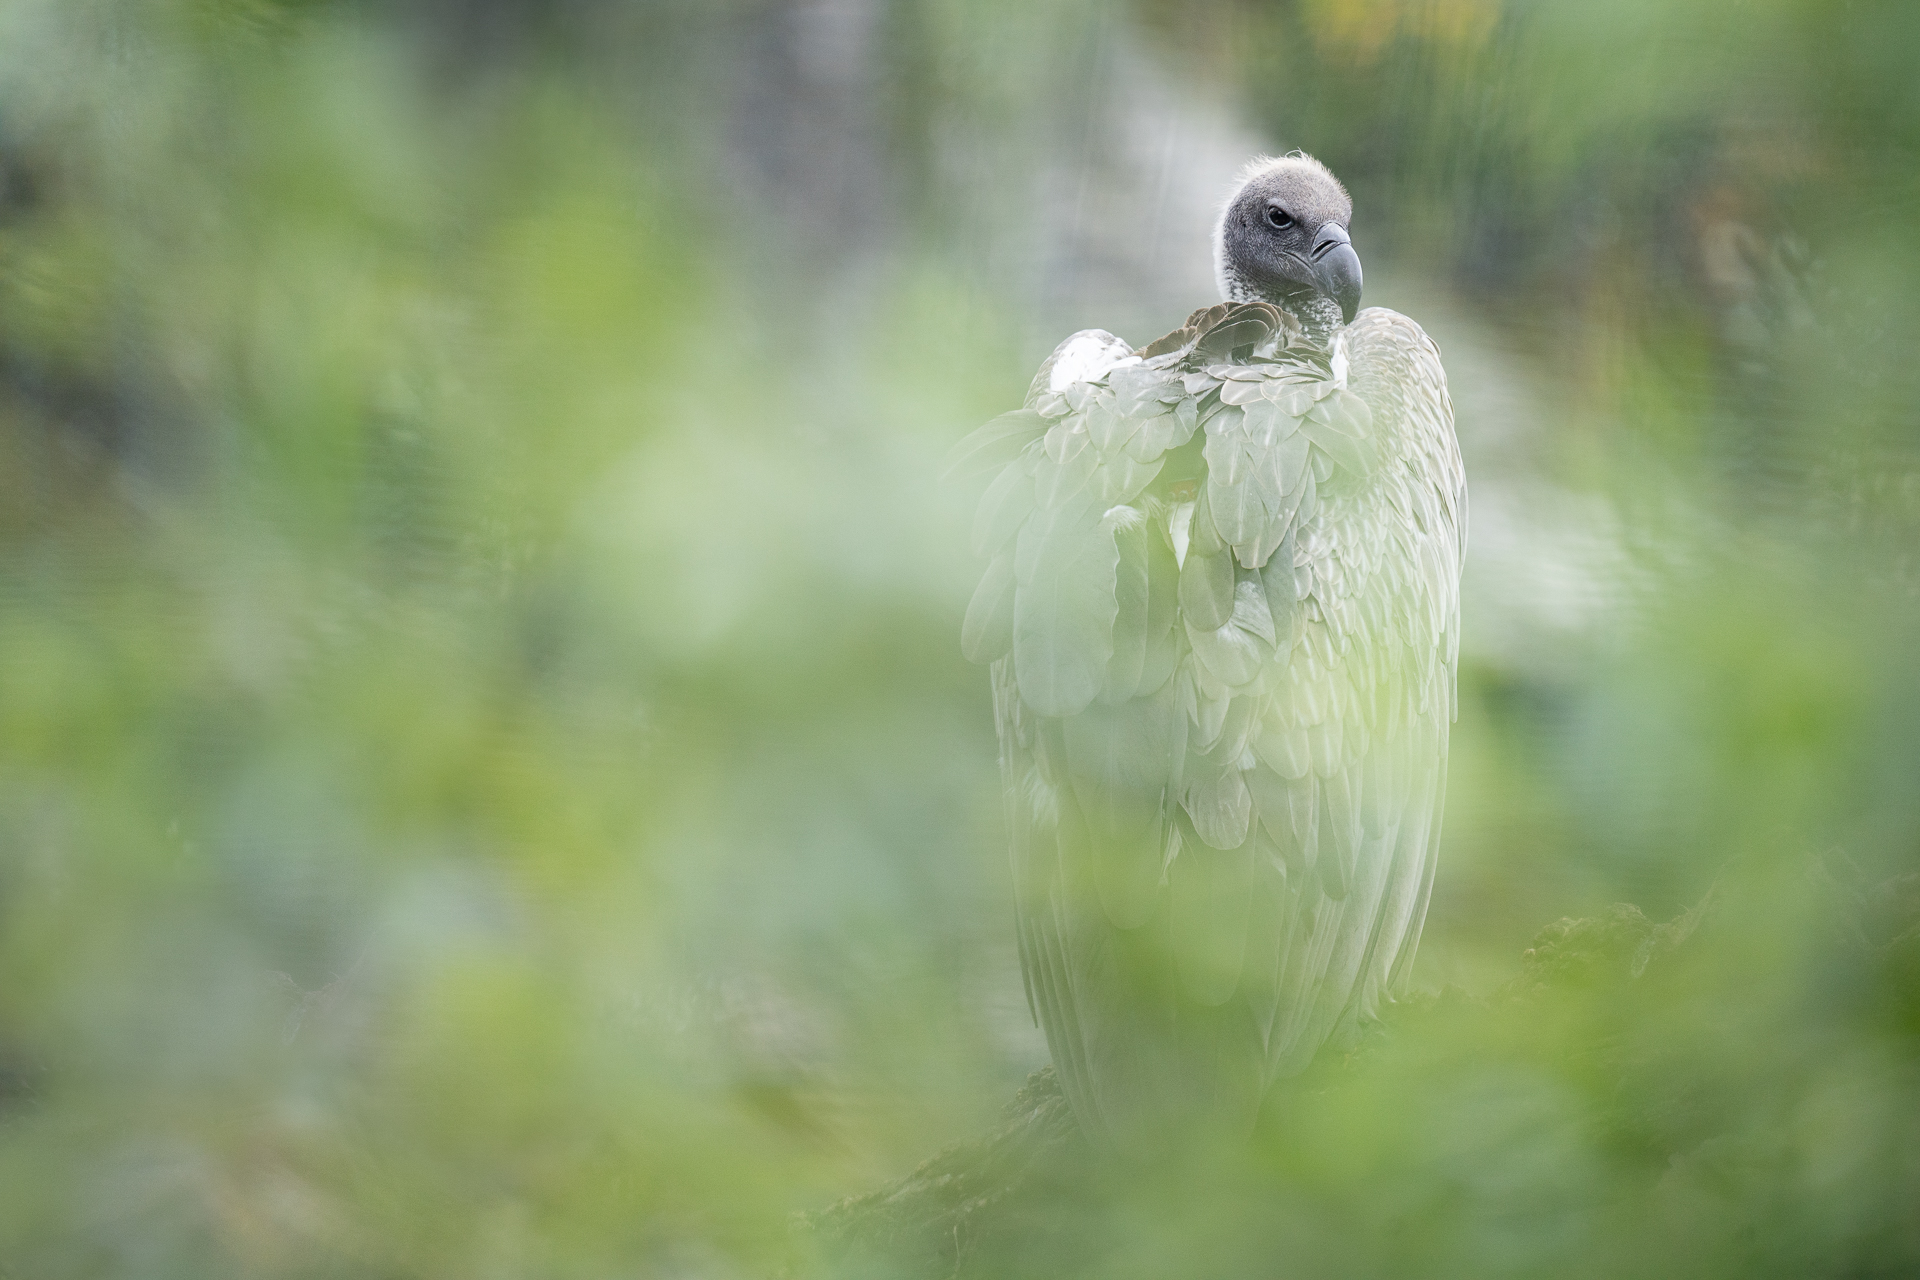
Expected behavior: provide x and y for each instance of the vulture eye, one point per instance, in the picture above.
(1278, 218)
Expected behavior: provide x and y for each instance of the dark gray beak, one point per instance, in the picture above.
(1337, 267)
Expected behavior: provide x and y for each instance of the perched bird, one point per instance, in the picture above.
(1222, 619)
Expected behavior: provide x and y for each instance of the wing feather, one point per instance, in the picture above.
(1004, 508)
(1118, 761)
(1133, 606)
(993, 446)
(1065, 573)
(987, 631)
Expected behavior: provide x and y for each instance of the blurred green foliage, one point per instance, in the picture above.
(487, 782)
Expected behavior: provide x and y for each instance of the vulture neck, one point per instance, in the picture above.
(1318, 316)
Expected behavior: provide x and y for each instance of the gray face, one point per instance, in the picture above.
(1283, 239)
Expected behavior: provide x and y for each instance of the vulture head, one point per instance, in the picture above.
(1283, 239)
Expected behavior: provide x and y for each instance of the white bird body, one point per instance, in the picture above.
(1222, 619)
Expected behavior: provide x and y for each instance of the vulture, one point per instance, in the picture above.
(1221, 617)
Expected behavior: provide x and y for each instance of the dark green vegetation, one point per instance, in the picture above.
(488, 785)
(1582, 1120)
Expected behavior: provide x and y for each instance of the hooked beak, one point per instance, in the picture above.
(1337, 267)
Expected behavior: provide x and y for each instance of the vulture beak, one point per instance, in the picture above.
(1337, 267)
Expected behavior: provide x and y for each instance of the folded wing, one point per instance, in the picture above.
(1221, 611)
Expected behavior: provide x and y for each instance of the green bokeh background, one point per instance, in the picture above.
(488, 785)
